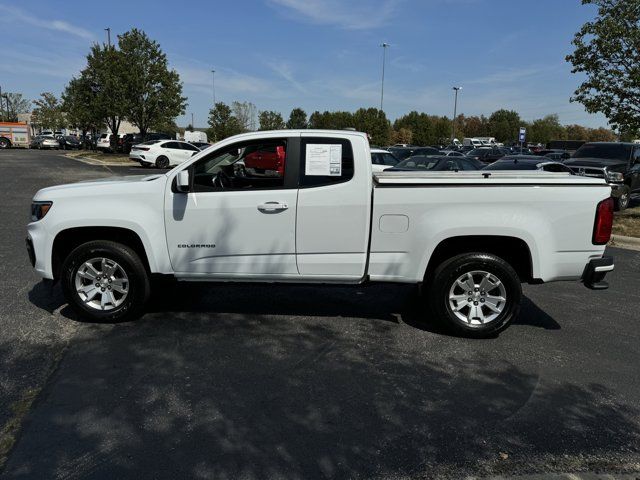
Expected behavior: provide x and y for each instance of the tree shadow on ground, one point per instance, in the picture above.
(386, 302)
(243, 394)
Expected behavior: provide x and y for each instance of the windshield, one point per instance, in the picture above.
(512, 165)
(611, 151)
(418, 163)
(477, 152)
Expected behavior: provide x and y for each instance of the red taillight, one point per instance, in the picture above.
(603, 223)
(146, 149)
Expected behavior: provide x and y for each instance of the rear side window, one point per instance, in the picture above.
(188, 146)
(325, 161)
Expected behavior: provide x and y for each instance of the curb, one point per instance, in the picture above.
(93, 161)
(621, 241)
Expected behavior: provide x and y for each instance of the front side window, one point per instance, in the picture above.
(251, 165)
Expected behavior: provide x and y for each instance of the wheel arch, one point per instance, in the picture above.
(67, 240)
(513, 250)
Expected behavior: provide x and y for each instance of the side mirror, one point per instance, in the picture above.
(183, 183)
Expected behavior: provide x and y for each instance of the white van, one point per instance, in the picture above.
(195, 136)
(487, 141)
(472, 142)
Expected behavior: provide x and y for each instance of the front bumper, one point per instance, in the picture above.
(595, 271)
(30, 251)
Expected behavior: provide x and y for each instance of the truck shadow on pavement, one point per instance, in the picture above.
(385, 302)
(193, 394)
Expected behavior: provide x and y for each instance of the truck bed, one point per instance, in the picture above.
(384, 179)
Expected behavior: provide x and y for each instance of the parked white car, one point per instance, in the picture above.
(162, 153)
(381, 160)
(302, 206)
(104, 142)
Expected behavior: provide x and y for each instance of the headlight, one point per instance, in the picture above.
(615, 177)
(39, 210)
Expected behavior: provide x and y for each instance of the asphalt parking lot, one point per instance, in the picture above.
(251, 381)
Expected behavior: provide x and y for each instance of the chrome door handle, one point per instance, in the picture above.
(272, 206)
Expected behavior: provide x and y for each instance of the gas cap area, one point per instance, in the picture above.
(394, 223)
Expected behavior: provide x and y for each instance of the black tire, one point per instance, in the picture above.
(443, 280)
(622, 202)
(138, 280)
(162, 162)
(5, 143)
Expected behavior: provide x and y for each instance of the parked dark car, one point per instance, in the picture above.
(554, 154)
(436, 164)
(130, 139)
(68, 142)
(487, 154)
(528, 162)
(405, 152)
(617, 162)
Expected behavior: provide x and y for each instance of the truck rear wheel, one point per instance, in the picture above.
(105, 281)
(475, 294)
(5, 143)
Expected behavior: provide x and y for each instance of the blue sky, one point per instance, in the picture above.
(320, 54)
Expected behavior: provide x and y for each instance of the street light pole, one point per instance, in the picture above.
(384, 59)
(455, 113)
(213, 86)
(108, 30)
(193, 127)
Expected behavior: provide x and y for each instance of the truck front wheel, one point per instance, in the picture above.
(105, 281)
(475, 294)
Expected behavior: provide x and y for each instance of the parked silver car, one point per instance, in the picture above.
(44, 141)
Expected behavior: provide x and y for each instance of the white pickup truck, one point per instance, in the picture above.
(303, 206)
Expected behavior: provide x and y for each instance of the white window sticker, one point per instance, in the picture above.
(323, 160)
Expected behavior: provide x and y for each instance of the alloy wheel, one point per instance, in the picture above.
(101, 283)
(477, 297)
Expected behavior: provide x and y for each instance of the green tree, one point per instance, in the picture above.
(402, 135)
(11, 104)
(152, 91)
(48, 112)
(297, 119)
(270, 120)
(105, 73)
(504, 125)
(474, 126)
(601, 135)
(607, 52)
(373, 122)
(331, 120)
(77, 103)
(222, 122)
(417, 123)
(577, 132)
(426, 129)
(546, 129)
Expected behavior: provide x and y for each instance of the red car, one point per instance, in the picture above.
(267, 160)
